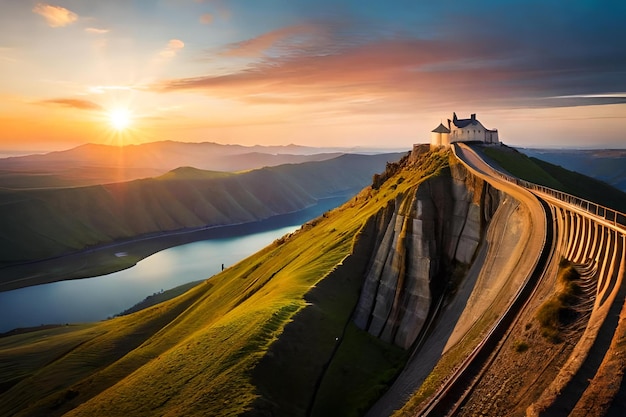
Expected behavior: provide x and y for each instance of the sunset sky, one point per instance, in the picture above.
(320, 73)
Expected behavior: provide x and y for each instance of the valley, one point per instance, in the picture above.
(370, 309)
(38, 224)
(323, 208)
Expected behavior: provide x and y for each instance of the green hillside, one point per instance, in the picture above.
(211, 350)
(553, 176)
(608, 165)
(271, 335)
(36, 224)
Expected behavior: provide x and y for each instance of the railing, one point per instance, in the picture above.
(612, 216)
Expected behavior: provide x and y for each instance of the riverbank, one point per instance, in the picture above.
(159, 297)
(117, 256)
(99, 298)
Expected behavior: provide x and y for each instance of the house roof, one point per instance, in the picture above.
(441, 129)
(461, 123)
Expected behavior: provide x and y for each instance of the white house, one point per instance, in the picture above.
(462, 130)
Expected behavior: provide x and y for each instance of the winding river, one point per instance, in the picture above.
(97, 298)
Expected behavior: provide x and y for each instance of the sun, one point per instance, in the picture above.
(120, 119)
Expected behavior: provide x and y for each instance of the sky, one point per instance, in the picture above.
(341, 73)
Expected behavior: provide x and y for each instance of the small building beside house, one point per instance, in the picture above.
(462, 130)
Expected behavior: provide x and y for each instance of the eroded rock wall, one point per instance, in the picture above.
(420, 237)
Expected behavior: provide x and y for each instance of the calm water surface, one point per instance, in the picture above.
(97, 298)
(93, 299)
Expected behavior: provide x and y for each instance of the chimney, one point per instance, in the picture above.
(473, 117)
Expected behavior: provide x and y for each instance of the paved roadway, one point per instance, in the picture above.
(563, 394)
(422, 363)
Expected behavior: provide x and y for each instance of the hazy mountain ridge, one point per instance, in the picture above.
(91, 164)
(37, 224)
(608, 165)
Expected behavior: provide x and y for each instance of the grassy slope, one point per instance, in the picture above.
(37, 224)
(553, 176)
(608, 165)
(196, 354)
(160, 297)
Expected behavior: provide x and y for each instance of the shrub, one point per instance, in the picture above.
(548, 313)
(557, 311)
(520, 346)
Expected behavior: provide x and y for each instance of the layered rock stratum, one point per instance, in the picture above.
(422, 237)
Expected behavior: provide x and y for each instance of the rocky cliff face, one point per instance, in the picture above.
(420, 238)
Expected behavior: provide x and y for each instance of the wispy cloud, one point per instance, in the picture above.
(102, 89)
(292, 37)
(5, 54)
(72, 103)
(601, 95)
(206, 18)
(56, 16)
(172, 48)
(96, 31)
(322, 62)
(358, 74)
(220, 6)
(584, 100)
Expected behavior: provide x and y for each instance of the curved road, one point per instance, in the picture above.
(527, 257)
(533, 258)
(589, 381)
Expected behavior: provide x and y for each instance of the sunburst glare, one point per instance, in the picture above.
(120, 119)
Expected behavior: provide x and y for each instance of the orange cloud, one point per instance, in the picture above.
(321, 67)
(222, 10)
(206, 18)
(172, 48)
(358, 74)
(73, 103)
(56, 16)
(392, 75)
(283, 37)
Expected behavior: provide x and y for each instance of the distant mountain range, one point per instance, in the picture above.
(98, 164)
(608, 165)
(40, 223)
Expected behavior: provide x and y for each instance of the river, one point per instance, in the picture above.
(97, 298)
